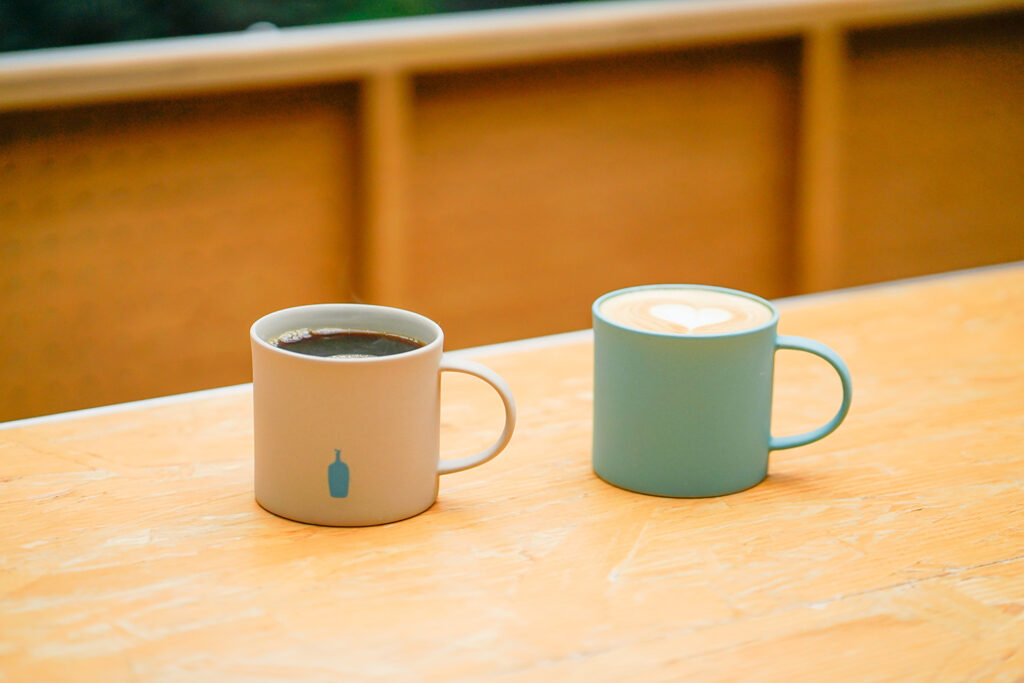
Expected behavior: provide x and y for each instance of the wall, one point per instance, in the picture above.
(496, 172)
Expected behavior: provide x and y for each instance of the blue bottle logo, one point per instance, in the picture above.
(337, 476)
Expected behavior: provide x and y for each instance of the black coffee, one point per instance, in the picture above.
(333, 343)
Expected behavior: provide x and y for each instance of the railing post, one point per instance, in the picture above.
(385, 103)
(820, 229)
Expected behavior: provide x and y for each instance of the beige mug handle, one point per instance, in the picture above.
(486, 374)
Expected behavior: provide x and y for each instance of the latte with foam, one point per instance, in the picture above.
(685, 311)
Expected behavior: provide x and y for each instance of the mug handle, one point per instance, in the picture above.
(486, 374)
(818, 349)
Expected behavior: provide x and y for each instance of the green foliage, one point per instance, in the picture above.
(30, 24)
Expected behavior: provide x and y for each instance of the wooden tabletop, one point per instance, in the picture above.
(131, 547)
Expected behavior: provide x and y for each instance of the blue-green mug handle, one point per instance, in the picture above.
(818, 349)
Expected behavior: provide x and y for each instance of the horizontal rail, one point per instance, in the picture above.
(262, 58)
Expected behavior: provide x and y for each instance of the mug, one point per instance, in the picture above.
(689, 415)
(354, 441)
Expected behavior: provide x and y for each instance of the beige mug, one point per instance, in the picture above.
(354, 441)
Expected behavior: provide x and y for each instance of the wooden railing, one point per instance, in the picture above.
(494, 170)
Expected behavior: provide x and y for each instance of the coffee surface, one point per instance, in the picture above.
(334, 343)
(685, 311)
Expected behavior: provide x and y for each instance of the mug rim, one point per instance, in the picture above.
(771, 322)
(428, 347)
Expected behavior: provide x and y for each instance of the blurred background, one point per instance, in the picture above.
(31, 24)
(495, 168)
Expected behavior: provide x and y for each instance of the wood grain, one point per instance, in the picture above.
(139, 242)
(131, 547)
(384, 229)
(534, 190)
(819, 243)
(934, 149)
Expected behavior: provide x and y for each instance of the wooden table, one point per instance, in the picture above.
(132, 549)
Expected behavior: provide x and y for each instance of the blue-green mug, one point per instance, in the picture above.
(683, 389)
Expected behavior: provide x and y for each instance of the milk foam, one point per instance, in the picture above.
(685, 311)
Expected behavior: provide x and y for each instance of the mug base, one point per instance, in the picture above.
(662, 493)
(350, 522)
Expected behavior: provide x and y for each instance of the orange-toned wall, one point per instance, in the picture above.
(139, 239)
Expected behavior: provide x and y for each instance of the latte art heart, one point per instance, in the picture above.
(690, 317)
(685, 310)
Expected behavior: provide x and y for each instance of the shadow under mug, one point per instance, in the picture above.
(690, 415)
(354, 441)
